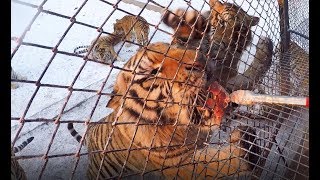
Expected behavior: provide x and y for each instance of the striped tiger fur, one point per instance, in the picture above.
(226, 32)
(133, 27)
(103, 49)
(162, 121)
(17, 172)
(22, 145)
(85, 49)
(130, 27)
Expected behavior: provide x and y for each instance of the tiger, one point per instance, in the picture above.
(133, 27)
(15, 75)
(17, 172)
(160, 114)
(103, 49)
(223, 33)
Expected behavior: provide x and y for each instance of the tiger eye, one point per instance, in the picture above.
(154, 71)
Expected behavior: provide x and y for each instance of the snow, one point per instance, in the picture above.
(30, 61)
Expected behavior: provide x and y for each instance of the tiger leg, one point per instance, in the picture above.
(115, 55)
(129, 37)
(142, 39)
(256, 71)
(258, 68)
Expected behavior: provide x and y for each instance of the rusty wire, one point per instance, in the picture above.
(268, 124)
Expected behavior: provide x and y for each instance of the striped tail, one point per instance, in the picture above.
(23, 145)
(85, 50)
(73, 132)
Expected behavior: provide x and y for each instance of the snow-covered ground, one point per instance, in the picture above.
(30, 62)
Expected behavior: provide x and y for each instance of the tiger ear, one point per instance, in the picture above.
(255, 20)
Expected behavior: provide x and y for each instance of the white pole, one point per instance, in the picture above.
(245, 97)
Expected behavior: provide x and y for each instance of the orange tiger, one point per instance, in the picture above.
(164, 121)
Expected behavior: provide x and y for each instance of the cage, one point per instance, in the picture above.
(53, 86)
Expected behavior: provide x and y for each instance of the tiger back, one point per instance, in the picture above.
(133, 27)
(166, 133)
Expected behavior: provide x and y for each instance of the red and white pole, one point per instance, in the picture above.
(245, 97)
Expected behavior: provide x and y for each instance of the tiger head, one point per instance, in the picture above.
(166, 85)
(101, 50)
(118, 27)
(231, 25)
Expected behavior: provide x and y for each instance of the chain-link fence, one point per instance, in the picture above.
(150, 134)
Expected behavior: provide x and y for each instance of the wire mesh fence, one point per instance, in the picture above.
(158, 112)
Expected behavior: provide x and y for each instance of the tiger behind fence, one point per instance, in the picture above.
(17, 172)
(103, 49)
(226, 34)
(129, 27)
(133, 27)
(164, 122)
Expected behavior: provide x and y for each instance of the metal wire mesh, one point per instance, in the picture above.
(45, 102)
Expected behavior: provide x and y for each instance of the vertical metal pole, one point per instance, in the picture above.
(284, 25)
(284, 79)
